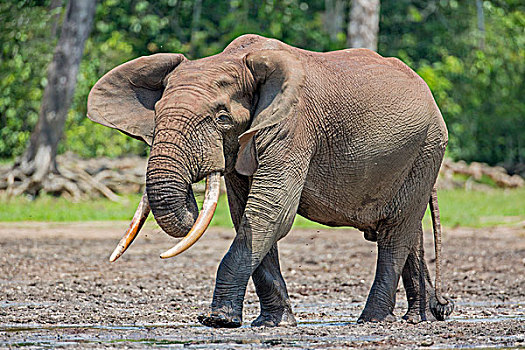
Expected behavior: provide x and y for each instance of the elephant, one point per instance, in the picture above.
(343, 138)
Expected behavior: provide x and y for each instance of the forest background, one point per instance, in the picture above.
(475, 66)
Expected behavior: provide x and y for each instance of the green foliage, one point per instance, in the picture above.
(478, 82)
(26, 49)
(478, 87)
(104, 50)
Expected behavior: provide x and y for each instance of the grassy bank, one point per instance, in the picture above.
(458, 208)
(481, 209)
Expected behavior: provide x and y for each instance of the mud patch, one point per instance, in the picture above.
(58, 289)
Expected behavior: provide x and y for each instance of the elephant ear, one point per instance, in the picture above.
(279, 78)
(125, 97)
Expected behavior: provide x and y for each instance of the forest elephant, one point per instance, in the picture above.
(343, 138)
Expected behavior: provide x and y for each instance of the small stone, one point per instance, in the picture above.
(427, 342)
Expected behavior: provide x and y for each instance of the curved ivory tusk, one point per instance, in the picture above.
(211, 196)
(141, 214)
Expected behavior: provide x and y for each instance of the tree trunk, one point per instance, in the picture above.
(54, 6)
(481, 24)
(39, 159)
(195, 24)
(334, 17)
(363, 25)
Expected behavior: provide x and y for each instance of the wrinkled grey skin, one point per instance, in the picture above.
(344, 138)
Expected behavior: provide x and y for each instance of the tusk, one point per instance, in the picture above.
(211, 196)
(137, 222)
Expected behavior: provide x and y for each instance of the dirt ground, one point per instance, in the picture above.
(57, 289)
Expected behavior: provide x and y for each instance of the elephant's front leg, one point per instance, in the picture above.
(269, 283)
(230, 286)
(270, 210)
(251, 245)
(225, 315)
(276, 309)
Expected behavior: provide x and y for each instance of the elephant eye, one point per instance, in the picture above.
(224, 120)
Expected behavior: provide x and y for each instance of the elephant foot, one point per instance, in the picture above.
(219, 319)
(284, 318)
(433, 312)
(441, 311)
(376, 317)
(416, 316)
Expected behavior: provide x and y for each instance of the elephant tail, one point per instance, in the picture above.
(436, 225)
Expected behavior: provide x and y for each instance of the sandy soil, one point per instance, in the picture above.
(57, 288)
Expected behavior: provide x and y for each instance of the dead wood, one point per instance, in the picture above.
(477, 176)
(78, 179)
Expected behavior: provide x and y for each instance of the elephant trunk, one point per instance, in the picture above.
(169, 192)
(169, 195)
(208, 209)
(171, 172)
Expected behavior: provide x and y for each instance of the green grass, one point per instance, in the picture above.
(6, 161)
(458, 208)
(481, 209)
(47, 208)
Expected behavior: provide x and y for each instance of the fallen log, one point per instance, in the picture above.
(79, 178)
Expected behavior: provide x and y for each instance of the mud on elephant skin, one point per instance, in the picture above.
(344, 138)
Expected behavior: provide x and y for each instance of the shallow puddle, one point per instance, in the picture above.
(497, 318)
(63, 335)
(325, 323)
(37, 327)
(339, 327)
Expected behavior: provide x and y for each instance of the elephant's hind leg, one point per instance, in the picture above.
(393, 249)
(400, 240)
(276, 309)
(419, 290)
(418, 286)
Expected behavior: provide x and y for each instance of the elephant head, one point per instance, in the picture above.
(201, 119)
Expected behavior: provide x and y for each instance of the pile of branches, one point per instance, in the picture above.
(87, 178)
(78, 178)
(476, 176)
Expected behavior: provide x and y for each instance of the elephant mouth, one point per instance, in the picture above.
(209, 205)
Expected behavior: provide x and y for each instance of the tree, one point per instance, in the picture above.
(39, 159)
(334, 17)
(471, 54)
(363, 25)
(478, 87)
